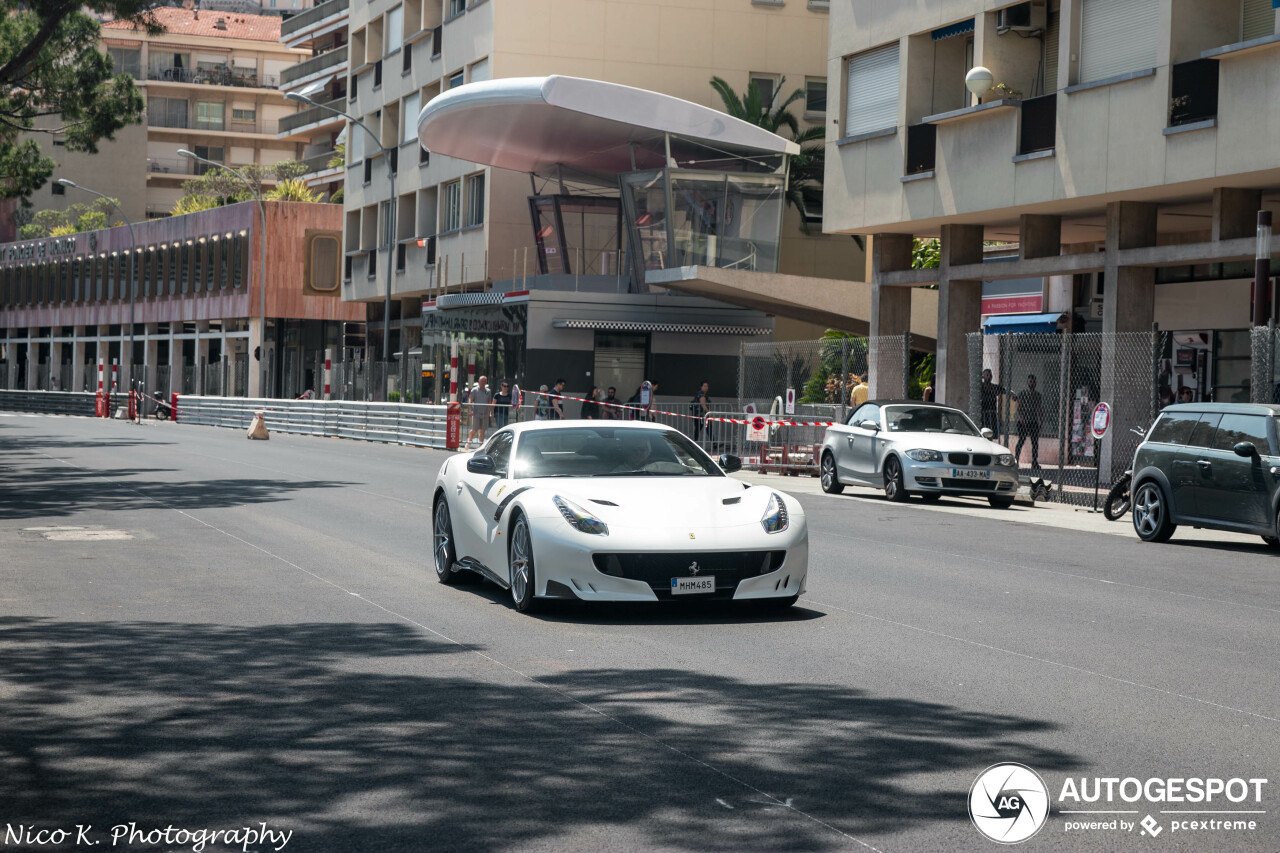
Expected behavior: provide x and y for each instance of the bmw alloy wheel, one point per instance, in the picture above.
(830, 483)
(893, 486)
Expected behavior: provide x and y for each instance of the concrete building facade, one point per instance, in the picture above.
(1121, 153)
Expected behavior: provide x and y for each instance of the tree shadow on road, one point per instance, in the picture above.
(381, 737)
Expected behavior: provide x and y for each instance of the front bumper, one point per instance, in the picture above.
(952, 480)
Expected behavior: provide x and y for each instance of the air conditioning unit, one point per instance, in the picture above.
(1023, 18)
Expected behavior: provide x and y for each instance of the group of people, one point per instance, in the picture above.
(489, 408)
(1029, 417)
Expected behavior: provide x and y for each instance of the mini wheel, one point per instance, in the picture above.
(1151, 518)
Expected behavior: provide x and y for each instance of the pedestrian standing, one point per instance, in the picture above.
(701, 407)
(502, 405)
(990, 394)
(542, 408)
(611, 412)
(858, 395)
(557, 401)
(591, 406)
(1030, 416)
(481, 397)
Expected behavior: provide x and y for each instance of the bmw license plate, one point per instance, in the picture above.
(970, 474)
(683, 586)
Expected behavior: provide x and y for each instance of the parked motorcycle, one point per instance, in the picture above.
(1118, 500)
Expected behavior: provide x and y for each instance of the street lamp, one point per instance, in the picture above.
(979, 81)
(133, 250)
(387, 154)
(262, 257)
(1262, 271)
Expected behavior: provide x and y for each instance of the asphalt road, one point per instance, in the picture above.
(200, 631)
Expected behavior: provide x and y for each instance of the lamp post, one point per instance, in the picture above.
(133, 250)
(1262, 271)
(387, 154)
(262, 256)
(979, 81)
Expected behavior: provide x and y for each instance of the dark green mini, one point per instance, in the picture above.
(1214, 465)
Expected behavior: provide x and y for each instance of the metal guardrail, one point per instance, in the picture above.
(314, 15)
(394, 423)
(317, 63)
(311, 115)
(48, 402)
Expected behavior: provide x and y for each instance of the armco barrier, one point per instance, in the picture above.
(48, 402)
(395, 423)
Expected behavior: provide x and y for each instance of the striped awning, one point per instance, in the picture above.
(953, 30)
(674, 328)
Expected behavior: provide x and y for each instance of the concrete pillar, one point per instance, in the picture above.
(255, 364)
(202, 356)
(224, 362)
(150, 360)
(55, 363)
(1235, 212)
(890, 316)
(1128, 306)
(175, 361)
(959, 313)
(32, 381)
(77, 359)
(1039, 236)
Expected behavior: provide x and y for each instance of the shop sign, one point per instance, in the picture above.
(494, 321)
(40, 249)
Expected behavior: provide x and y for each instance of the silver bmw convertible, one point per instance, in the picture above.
(913, 448)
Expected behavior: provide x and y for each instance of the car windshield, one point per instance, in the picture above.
(928, 419)
(610, 452)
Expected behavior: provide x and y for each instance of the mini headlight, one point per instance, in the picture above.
(1005, 459)
(922, 455)
(580, 518)
(775, 515)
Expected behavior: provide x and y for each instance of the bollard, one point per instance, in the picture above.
(453, 426)
(173, 406)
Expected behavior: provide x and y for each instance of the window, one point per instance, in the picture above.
(1174, 428)
(457, 7)
(167, 112)
(1257, 19)
(499, 450)
(475, 200)
(210, 115)
(355, 145)
(395, 30)
(767, 84)
(1117, 36)
(1237, 428)
(479, 71)
(865, 412)
(1202, 433)
(59, 189)
(384, 211)
(410, 111)
(815, 96)
(872, 92)
(451, 202)
(244, 115)
(126, 60)
(456, 79)
(208, 152)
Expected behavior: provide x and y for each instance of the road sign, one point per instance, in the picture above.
(791, 401)
(749, 408)
(758, 430)
(1101, 420)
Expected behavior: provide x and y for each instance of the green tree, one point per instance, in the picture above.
(51, 67)
(926, 254)
(74, 219)
(805, 173)
(217, 187)
(289, 170)
(339, 158)
(293, 190)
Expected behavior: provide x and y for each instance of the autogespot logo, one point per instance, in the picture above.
(1008, 803)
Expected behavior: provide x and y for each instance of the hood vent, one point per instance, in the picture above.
(602, 502)
(728, 501)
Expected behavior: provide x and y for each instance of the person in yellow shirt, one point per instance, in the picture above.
(859, 394)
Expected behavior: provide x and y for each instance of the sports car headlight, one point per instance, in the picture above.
(580, 518)
(1005, 459)
(775, 515)
(922, 455)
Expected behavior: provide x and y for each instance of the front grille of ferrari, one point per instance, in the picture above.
(657, 570)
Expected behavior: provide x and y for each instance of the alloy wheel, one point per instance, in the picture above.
(1148, 510)
(443, 539)
(521, 561)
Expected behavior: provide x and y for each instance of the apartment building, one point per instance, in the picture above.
(1122, 153)
(461, 227)
(211, 83)
(322, 32)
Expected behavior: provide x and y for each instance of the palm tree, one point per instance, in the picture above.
(806, 167)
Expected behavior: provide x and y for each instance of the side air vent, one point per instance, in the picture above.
(728, 501)
(602, 503)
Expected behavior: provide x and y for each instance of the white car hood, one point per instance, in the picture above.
(676, 502)
(944, 442)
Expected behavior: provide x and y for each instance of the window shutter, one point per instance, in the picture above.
(871, 102)
(1051, 34)
(1259, 19)
(1116, 37)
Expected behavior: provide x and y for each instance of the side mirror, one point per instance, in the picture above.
(987, 433)
(481, 465)
(874, 426)
(1246, 449)
(730, 463)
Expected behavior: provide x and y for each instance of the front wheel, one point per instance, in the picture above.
(1000, 502)
(162, 413)
(830, 482)
(777, 605)
(1118, 499)
(442, 544)
(520, 559)
(931, 497)
(1151, 518)
(894, 489)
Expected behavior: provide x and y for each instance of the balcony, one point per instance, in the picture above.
(1039, 127)
(1193, 92)
(170, 166)
(320, 162)
(325, 61)
(262, 126)
(311, 17)
(223, 76)
(312, 115)
(922, 148)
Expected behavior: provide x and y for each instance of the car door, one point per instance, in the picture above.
(859, 445)
(478, 496)
(1186, 471)
(1166, 448)
(1233, 489)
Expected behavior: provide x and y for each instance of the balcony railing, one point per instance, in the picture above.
(1193, 92)
(320, 162)
(922, 148)
(1039, 128)
(312, 16)
(264, 126)
(302, 118)
(224, 76)
(170, 166)
(315, 64)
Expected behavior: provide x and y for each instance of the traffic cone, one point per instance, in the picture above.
(258, 428)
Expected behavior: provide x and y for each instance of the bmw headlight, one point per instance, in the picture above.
(921, 455)
(775, 515)
(1005, 459)
(580, 518)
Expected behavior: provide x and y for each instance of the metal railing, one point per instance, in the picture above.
(315, 64)
(166, 166)
(224, 76)
(271, 126)
(48, 402)
(312, 16)
(393, 423)
(311, 115)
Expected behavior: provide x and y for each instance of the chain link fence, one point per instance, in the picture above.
(824, 372)
(1041, 394)
(1264, 379)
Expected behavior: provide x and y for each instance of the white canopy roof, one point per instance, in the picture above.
(543, 124)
